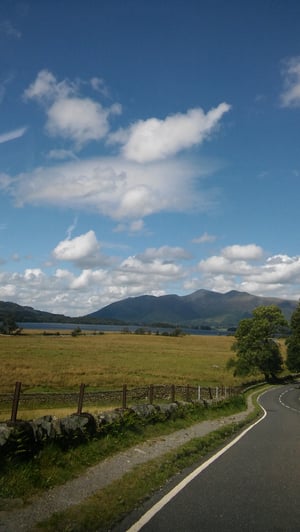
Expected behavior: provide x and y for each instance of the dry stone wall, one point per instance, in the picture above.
(25, 438)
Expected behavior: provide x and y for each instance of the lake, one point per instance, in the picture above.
(114, 328)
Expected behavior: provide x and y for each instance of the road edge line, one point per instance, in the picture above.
(146, 517)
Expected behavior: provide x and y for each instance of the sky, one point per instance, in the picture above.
(148, 147)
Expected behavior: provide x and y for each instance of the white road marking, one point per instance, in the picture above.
(169, 496)
(284, 404)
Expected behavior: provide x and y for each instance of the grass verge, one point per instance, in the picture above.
(53, 465)
(109, 506)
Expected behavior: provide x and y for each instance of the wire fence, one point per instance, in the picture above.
(121, 398)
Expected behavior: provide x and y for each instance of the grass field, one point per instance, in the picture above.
(107, 361)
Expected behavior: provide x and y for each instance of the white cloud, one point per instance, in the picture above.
(61, 154)
(159, 269)
(233, 260)
(154, 139)
(75, 295)
(220, 265)
(88, 278)
(99, 85)
(46, 88)
(7, 291)
(77, 248)
(166, 254)
(12, 135)
(203, 239)
(83, 251)
(136, 226)
(245, 268)
(79, 119)
(246, 252)
(33, 274)
(114, 187)
(69, 115)
(290, 97)
(155, 271)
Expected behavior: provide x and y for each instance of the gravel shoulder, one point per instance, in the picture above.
(101, 475)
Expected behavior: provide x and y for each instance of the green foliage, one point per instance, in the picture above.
(293, 342)
(177, 332)
(257, 349)
(9, 326)
(76, 332)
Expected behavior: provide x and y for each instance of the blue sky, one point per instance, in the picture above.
(148, 148)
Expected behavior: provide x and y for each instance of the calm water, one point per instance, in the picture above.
(112, 328)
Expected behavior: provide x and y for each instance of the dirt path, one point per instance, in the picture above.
(101, 475)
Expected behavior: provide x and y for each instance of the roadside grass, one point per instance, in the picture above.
(53, 466)
(109, 506)
(105, 509)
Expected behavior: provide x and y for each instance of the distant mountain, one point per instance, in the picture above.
(29, 314)
(200, 307)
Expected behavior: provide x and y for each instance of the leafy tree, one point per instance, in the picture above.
(293, 342)
(257, 349)
(76, 332)
(177, 332)
(9, 326)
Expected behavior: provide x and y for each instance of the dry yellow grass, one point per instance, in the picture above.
(110, 360)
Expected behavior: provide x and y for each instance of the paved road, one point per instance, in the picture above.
(253, 487)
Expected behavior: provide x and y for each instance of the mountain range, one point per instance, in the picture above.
(201, 308)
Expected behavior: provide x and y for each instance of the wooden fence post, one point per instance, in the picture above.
(80, 399)
(151, 394)
(199, 393)
(14, 410)
(124, 396)
(188, 392)
(173, 393)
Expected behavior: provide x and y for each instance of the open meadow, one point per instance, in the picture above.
(60, 363)
(107, 361)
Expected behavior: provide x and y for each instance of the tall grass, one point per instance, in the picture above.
(107, 361)
(110, 360)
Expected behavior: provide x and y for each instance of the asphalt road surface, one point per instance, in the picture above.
(254, 486)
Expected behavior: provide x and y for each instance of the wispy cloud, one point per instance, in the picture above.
(290, 97)
(71, 228)
(114, 187)
(3, 84)
(203, 239)
(12, 135)
(7, 28)
(61, 154)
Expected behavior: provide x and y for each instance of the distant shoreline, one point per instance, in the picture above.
(116, 328)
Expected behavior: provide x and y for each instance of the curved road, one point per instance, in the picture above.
(252, 487)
